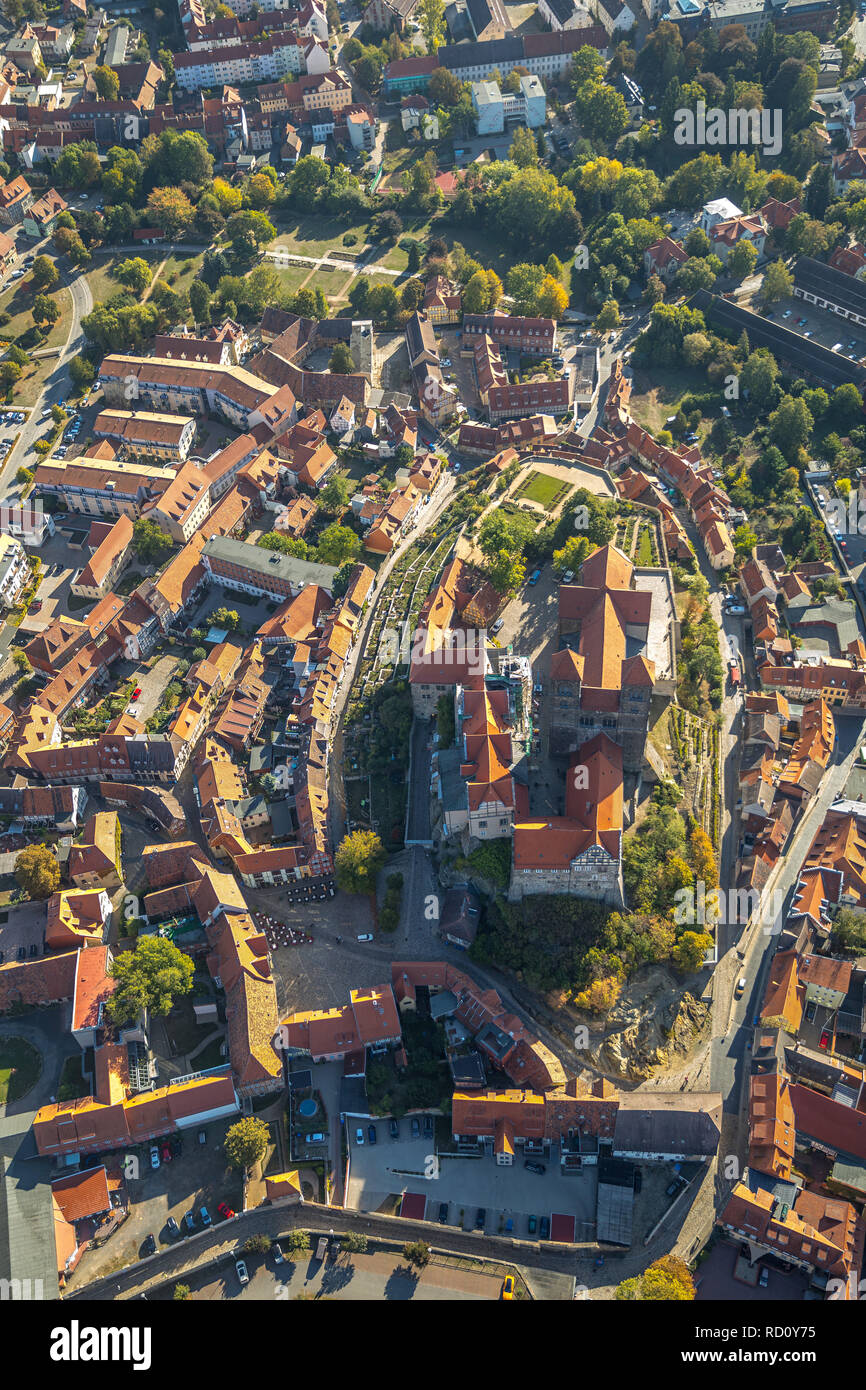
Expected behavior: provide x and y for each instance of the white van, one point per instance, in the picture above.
(740, 989)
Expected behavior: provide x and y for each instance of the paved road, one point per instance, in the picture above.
(276, 1221)
(58, 387)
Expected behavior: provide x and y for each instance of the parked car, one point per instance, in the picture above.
(205, 1217)
(764, 1277)
(166, 1152)
(568, 576)
(279, 1257)
(154, 1157)
(394, 1128)
(359, 1135)
(371, 1133)
(508, 1287)
(149, 1247)
(416, 1128)
(443, 1213)
(189, 1221)
(532, 1226)
(498, 625)
(740, 987)
(243, 1276)
(534, 577)
(544, 1229)
(172, 1227)
(136, 692)
(225, 1210)
(176, 1146)
(532, 1167)
(480, 1218)
(317, 1138)
(365, 936)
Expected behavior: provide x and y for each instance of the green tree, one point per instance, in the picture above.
(523, 151)
(135, 273)
(354, 1243)
(416, 1252)
(358, 860)
(506, 572)
(246, 1143)
(846, 408)
(199, 302)
(258, 1244)
(150, 543)
(182, 1293)
(170, 210)
(45, 309)
(337, 544)
(341, 360)
(778, 283)
(334, 495)
(37, 871)
(697, 243)
(791, 427)
(607, 317)
(430, 14)
(44, 273)
(296, 1242)
(741, 261)
(107, 83)
(151, 977)
(689, 951)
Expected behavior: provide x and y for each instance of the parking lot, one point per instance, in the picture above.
(198, 1176)
(467, 1185)
(820, 327)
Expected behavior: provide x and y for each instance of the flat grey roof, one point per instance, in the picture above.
(253, 557)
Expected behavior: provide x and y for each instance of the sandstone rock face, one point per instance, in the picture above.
(652, 1027)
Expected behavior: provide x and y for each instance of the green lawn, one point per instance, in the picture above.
(644, 552)
(541, 488)
(316, 234)
(18, 303)
(99, 274)
(293, 276)
(20, 1065)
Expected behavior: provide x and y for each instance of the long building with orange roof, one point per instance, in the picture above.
(581, 852)
(445, 654)
(602, 678)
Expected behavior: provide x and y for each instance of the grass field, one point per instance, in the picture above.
(20, 1065)
(315, 234)
(99, 273)
(541, 488)
(18, 303)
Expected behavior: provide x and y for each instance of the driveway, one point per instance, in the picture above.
(48, 1031)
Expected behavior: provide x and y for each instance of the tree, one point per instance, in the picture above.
(778, 282)
(387, 226)
(358, 860)
(689, 951)
(338, 544)
(82, 370)
(151, 977)
(37, 871)
(171, 210)
(523, 150)
(416, 1252)
(741, 261)
(335, 494)
(296, 1242)
(697, 274)
(121, 180)
(45, 309)
(552, 299)
(667, 1279)
(176, 157)
(10, 372)
(353, 1243)
(846, 407)
(199, 301)
(608, 316)
(106, 82)
(249, 231)
(44, 273)
(150, 543)
(135, 273)
(229, 197)
(341, 360)
(286, 545)
(506, 572)
(182, 1293)
(430, 14)
(226, 617)
(791, 427)
(258, 1244)
(602, 111)
(444, 89)
(587, 65)
(259, 191)
(246, 1143)
(23, 476)
(697, 243)
(571, 556)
